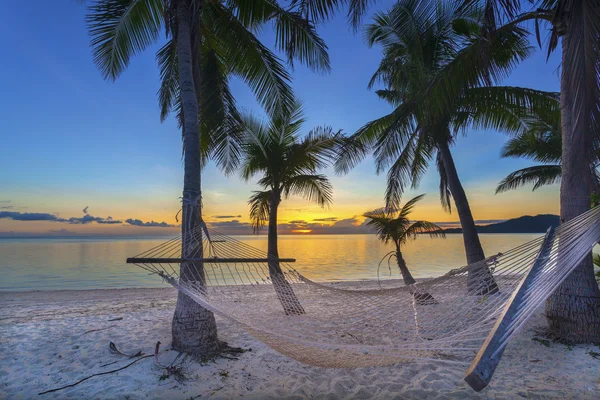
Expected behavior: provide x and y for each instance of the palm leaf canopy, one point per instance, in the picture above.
(541, 141)
(396, 227)
(224, 43)
(434, 77)
(288, 163)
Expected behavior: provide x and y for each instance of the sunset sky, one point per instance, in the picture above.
(73, 142)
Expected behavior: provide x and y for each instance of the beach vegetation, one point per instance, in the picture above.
(434, 76)
(289, 166)
(396, 227)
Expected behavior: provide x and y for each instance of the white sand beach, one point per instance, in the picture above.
(52, 339)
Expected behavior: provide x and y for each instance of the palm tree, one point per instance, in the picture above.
(289, 166)
(436, 81)
(573, 310)
(206, 42)
(396, 227)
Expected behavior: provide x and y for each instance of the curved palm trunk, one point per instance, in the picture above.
(194, 328)
(284, 291)
(470, 237)
(421, 297)
(573, 310)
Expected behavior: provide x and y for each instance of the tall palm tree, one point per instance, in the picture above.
(573, 310)
(435, 79)
(289, 166)
(206, 42)
(396, 227)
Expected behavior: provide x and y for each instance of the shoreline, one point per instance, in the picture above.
(54, 338)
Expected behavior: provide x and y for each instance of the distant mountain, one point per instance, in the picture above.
(525, 224)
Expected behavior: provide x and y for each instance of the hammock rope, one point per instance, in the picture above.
(343, 327)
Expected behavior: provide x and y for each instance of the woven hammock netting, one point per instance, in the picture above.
(446, 318)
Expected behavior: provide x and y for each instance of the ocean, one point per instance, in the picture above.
(96, 263)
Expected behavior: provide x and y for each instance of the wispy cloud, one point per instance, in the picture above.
(328, 219)
(226, 216)
(5, 205)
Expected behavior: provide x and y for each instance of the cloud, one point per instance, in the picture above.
(328, 219)
(297, 209)
(18, 216)
(298, 221)
(233, 227)
(226, 216)
(5, 201)
(5, 207)
(87, 218)
(137, 222)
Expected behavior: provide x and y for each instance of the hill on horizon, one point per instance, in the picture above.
(525, 224)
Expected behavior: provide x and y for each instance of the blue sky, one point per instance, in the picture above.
(71, 139)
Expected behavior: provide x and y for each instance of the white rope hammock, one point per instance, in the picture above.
(328, 326)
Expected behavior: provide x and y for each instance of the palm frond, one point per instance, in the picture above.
(260, 204)
(537, 175)
(315, 188)
(423, 227)
(445, 194)
(250, 60)
(380, 222)
(407, 208)
(505, 108)
(119, 29)
(298, 38)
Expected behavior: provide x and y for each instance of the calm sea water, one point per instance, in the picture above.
(51, 264)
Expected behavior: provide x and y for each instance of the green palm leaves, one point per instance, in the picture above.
(396, 227)
(224, 44)
(434, 75)
(288, 164)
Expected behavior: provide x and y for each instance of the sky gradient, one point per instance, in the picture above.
(72, 141)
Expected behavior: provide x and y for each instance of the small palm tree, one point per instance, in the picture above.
(289, 166)
(396, 227)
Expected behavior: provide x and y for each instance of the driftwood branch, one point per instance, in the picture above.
(98, 374)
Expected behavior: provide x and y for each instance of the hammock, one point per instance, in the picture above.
(345, 328)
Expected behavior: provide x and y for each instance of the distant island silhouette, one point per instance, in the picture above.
(525, 224)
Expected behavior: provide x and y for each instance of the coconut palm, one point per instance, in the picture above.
(289, 166)
(573, 310)
(396, 227)
(435, 79)
(205, 42)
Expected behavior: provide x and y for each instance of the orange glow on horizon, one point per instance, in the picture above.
(304, 231)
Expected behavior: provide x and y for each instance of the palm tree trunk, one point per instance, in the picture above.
(406, 275)
(476, 284)
(573, 310)
(285, 293)
(194, 328)
(420, 296)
